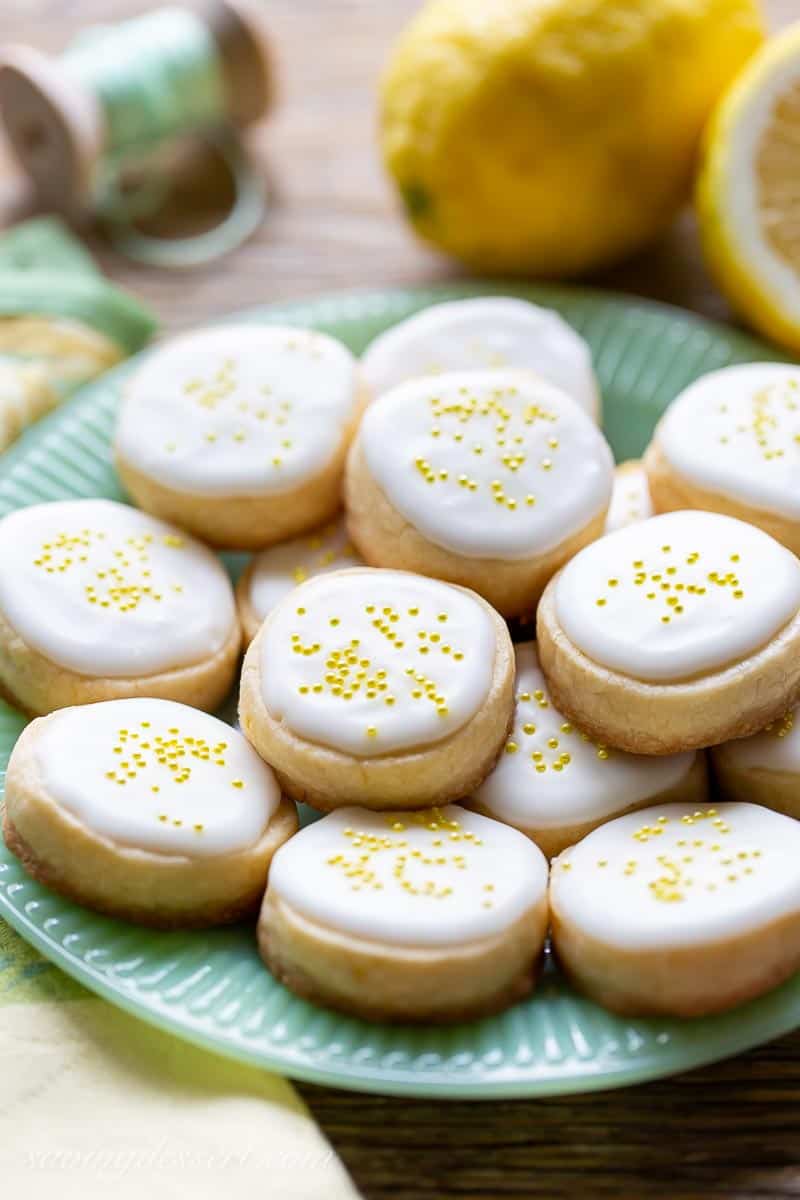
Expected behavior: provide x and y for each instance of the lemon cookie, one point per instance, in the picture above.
(379, 688)
(489, 479)
(679, 912)
(764, 768)
(730, 443)
(274, 572)
(99, 601)
(67, 351)
(437, 915)
(555, 784)
(630, 498)
(485, 332)
(679, 632)
(147, 810)
(239, 433)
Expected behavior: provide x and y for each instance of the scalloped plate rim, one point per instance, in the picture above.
(512, 1084)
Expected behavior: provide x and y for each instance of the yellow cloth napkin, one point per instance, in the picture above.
(95, 1103)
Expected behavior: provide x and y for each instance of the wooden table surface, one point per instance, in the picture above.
(729, 1131)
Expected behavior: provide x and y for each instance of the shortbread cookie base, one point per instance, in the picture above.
(778, 790)
(384, 538)
(670, 491)
(161, 890)
(38, 685)
(649, 718)
(622, 472)
(551, 840)
(629, 467)
(247, 522)
(434, 774)
(687, 981)
(381, 982)
(251, 622)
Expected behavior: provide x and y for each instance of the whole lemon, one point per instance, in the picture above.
(552, 136)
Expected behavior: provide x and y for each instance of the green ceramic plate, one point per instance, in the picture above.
(210, 988)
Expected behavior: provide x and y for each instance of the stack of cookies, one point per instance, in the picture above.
(626, 782)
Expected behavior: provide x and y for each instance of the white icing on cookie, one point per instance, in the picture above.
(279, 569)
(776, 748)
(736, 432)
(238, 410)
(488, 332)
(373, 661)
(678, 595)
(630, 499)
(440, 877)
(105, 590)
(490, 464)
(552, 775)
(155, 775)
(671, 876)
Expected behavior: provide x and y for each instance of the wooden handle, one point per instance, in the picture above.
(241, 37)
(55, 128)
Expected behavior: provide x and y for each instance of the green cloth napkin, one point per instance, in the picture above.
(61, 322)
(45, 271)
(44, 243)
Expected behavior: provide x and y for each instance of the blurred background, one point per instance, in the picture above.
(334, 219)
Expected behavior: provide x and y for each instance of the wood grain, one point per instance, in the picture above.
(731, 1131)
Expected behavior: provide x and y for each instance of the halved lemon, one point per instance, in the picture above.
(748, 191)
